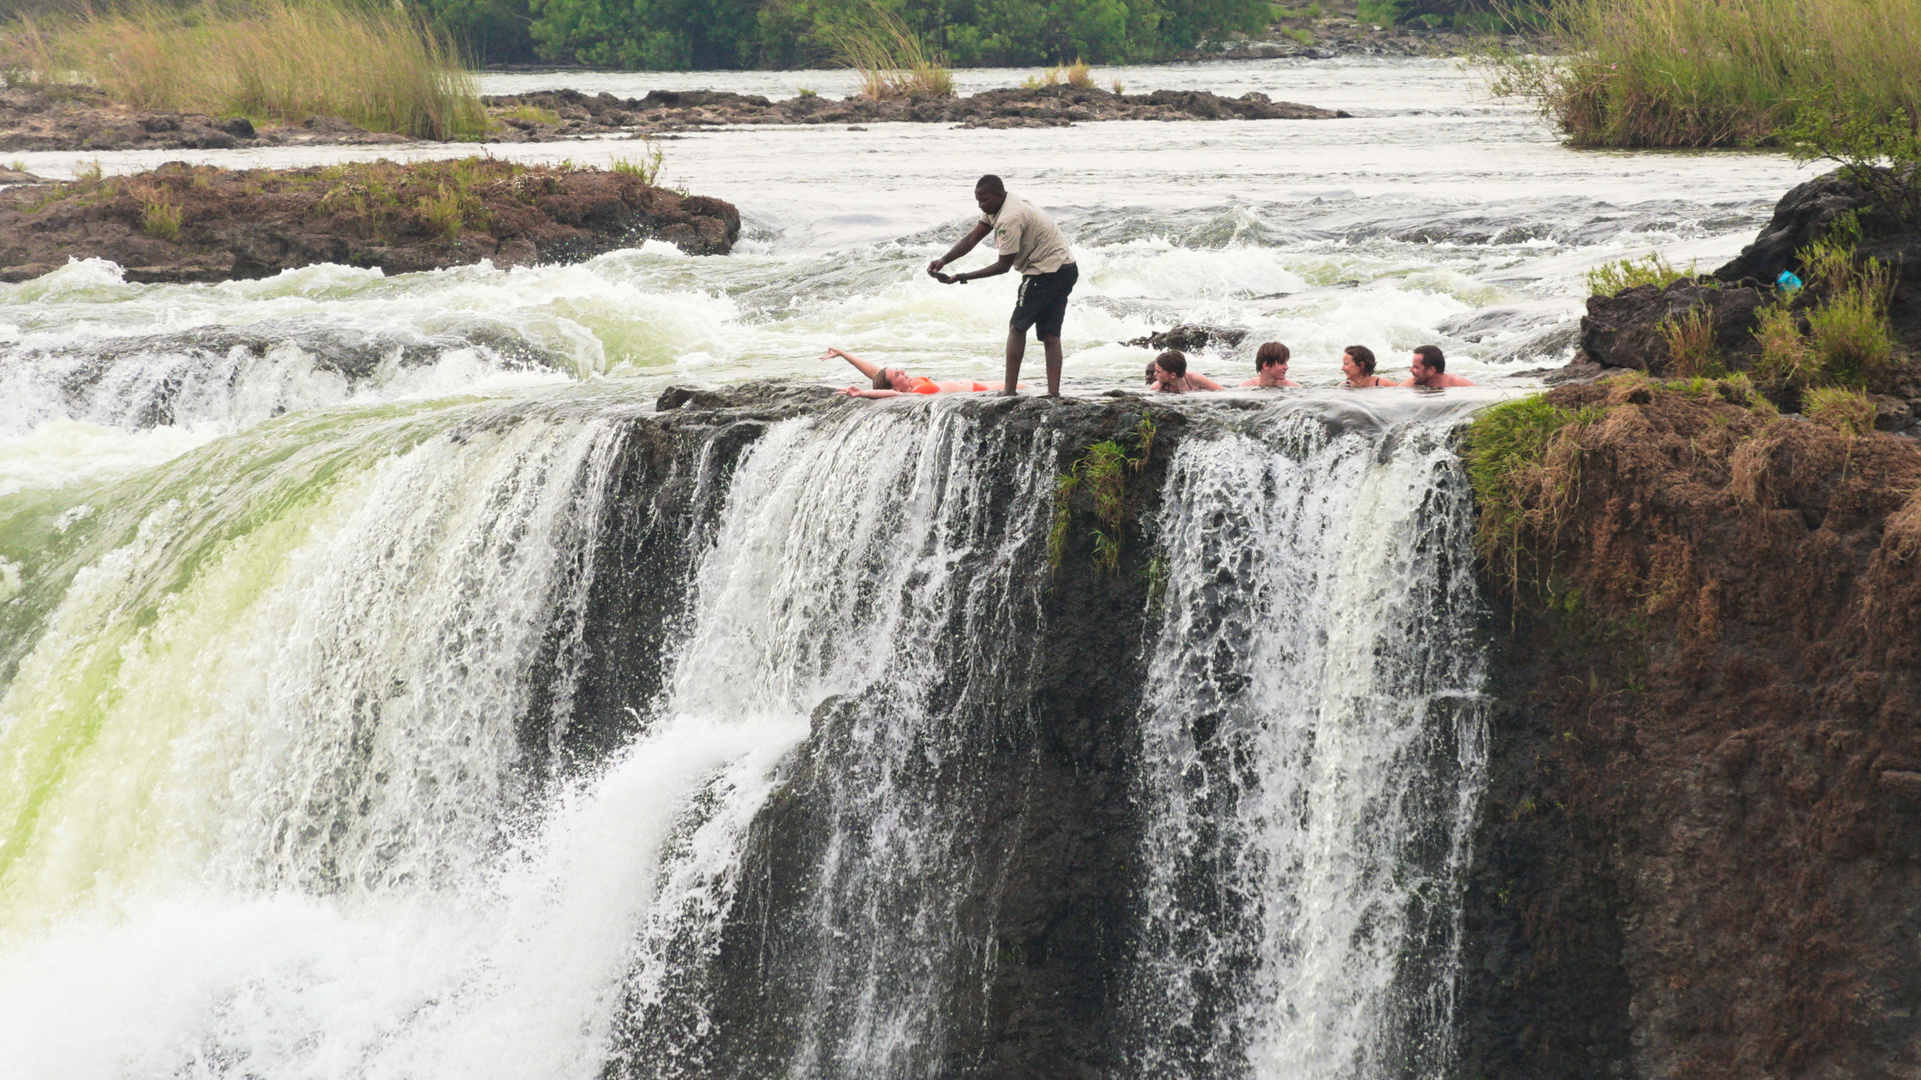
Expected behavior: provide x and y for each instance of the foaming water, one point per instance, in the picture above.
(1314, 745)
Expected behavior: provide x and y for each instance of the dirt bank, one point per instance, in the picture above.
(1700, 854)
(182, 223)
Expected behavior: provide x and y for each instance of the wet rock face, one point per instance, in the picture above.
(198, 223)
(1625, 331)
(1027, 774)
(1700, 846)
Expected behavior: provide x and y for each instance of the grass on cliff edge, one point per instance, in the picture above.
(277, 60)
(1708, 73)
(1525, 465)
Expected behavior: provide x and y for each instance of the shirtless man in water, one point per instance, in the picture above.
(1170, 375)
(1270, 366)
(1429, 369)
(1028, 241)
(893, 382)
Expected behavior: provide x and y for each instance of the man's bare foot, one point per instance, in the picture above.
(1010, 392)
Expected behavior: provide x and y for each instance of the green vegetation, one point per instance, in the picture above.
(159, 215)
(1523, 459)
(1844, 307)
(1102, 471)
(1691, 349)
(892, 61)
(278, 60)
(1688, 73)
(646, 167)
(1845, 410)
(691, 34)
(532, 114)
(1614, 278)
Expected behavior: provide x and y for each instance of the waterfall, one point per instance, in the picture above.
(562, 738)
(1312, 752)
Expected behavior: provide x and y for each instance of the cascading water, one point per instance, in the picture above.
(1312, 746)
(273, 807)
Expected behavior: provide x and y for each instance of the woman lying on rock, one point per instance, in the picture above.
(893, 382)
(1169, 375)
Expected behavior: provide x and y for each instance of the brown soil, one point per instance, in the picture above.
(182, 223)
(79, 118)
(1701, 850)
(1049, 106)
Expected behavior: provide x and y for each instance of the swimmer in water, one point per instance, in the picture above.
(1357, 363)
(893, 382)
(1171, 376)
(1270, 366)
(1429, 369)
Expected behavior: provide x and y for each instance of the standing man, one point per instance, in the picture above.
(1030, 242)
(1429, 369)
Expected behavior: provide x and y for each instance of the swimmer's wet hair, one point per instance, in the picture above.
(1269, 354)
(881, 379)
(1363, 356)
(1431, 356)
(1173, 361)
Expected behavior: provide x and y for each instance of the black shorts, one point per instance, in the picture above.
(1043, 301)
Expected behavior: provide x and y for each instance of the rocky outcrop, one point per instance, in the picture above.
(1627, 330)
(198, 223)
(524, 117)
(1700, 849)
(1191, 337)
(76, 118)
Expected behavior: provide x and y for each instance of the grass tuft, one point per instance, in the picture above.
(379, 67)
(646, 166)
(1614, 278)
(159, 215)
(1691, 349)
(1845, 410)
(890, 58)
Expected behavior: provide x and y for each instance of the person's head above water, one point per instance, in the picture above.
(1431, 358)
(1361, 360)
(1269, 354)
(891, 378)
(1173, 361)
(990, 194)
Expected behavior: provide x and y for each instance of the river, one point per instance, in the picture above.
(286, 566)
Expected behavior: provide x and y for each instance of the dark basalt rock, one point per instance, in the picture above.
(1191, 337)
(1625, 330)
(1045, 106)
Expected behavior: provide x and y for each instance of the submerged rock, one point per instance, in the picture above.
(199, 223)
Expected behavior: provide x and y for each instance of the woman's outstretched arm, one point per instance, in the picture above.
(862, 391)
(867, 369)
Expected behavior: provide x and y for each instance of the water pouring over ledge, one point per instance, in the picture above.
(334, 764)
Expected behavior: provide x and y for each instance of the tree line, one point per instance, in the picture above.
(710, 34)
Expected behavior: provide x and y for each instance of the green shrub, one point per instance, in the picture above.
(1784, 357)
(1851, 337)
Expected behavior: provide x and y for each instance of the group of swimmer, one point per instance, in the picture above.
(1168, 373)
(1027, 241)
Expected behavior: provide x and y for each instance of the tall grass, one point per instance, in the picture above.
(890, 58)
(278, 60)
(1706, 73)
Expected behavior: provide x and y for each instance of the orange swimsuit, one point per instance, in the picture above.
(919, 385)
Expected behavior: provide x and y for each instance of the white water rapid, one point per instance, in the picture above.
(388, 691)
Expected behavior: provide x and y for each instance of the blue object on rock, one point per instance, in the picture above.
(1787, 282)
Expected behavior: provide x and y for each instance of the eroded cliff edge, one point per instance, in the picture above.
(1700, 849)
